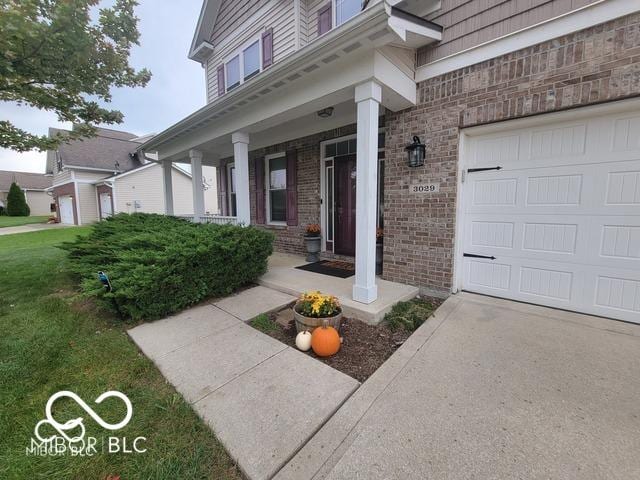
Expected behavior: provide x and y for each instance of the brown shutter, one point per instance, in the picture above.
(292, 187)
(221, 88)
(222, 188)
(260, 197)
(267, 48)
(325, 19)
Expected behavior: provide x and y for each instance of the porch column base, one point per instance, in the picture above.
(365, 294)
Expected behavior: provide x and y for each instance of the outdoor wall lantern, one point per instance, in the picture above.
(416, 153)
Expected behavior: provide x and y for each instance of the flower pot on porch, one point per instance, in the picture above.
(379, 252)
(310, 324)
(312, 243)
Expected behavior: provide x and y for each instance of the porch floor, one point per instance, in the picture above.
(284, 277)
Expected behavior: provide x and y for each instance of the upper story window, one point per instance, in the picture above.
(233, 72)
(246, 63)
(346, 9)
(251, 60)
(337, 12)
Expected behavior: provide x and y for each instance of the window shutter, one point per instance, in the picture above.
(292, 187)
(267, 48)
(221, 88)
(222, 189)
(260, 192)
(325, 19)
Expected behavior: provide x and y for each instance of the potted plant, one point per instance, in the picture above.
(314, 309)
(312, 242)
(379, 250)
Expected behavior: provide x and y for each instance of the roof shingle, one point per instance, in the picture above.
(29, 181)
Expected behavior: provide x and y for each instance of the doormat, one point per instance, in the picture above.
(334, 268)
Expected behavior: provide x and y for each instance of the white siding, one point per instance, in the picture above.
(60, 178)
(88, 203)
(312, 17)
(241, 21)
(39, 202)
(146, 188)
(91, 176)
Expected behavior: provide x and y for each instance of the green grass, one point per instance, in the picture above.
(18, 221)
(263, 323)
(51, 341)
(409, 315)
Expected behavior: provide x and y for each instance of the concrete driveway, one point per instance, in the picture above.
(491, 389)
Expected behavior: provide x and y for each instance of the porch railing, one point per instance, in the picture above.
(216, 219)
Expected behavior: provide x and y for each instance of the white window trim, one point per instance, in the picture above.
(239, 52)
(267, 189)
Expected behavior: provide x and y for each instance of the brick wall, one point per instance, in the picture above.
(598, 64)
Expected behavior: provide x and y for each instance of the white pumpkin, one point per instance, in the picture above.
(303, 341)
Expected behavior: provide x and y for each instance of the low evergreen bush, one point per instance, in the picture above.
(409, 315)
(159, 265)
(16, 202)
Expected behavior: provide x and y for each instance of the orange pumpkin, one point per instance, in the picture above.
(325, 341)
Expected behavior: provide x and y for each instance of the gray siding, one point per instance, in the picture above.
(240, 21)
(468, 23)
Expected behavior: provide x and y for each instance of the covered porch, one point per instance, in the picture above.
(269, 140)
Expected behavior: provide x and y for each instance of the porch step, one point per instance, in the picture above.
(284, 277)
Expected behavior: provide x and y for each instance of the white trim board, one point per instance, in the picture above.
(585, 17)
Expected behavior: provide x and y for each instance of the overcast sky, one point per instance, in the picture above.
(176, 89)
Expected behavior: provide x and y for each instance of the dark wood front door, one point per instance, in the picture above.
(345, 206)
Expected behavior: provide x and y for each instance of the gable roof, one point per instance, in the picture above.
(28, 181)
(110, 150)
(204, 29)
(140, 169)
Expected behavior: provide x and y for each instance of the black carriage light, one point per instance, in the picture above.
(105, 281)
(416, 153)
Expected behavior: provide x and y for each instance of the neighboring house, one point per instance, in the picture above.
(529, 110)
(95, 177)
(34, 186)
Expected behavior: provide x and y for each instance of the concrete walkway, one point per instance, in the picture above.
(34, 227)
(491, 389)
(262, 399)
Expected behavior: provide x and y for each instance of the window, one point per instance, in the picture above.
(347, 9)
(231, 175)
(233, 73)
(277, 189)
(251, 60)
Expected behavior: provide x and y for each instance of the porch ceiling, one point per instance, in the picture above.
(281, 103)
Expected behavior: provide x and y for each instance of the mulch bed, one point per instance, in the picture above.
(364, 348)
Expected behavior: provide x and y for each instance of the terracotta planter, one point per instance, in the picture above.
(313, 248)
(310, 324)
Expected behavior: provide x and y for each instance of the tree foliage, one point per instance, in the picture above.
(55, 57)
(16, 202)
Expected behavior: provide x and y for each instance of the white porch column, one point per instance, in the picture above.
(167, 168)
(240, 142)
(368, 97)
(196, 184)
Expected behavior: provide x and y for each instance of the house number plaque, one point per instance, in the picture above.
(426, 188)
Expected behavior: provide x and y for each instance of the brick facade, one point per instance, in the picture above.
(595, 65)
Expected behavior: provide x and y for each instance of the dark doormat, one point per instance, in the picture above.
(334, 268)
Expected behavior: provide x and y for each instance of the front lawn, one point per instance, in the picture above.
(51, 341)
(6, 221)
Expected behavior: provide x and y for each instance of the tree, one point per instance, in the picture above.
(54, 57)
(16, 202)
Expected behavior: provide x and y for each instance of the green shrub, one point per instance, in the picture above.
(409, 315)
(159, 265)
(16, 202)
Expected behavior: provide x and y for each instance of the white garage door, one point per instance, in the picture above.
(66, 210)
(559, 223)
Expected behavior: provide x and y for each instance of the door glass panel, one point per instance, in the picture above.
(330, 201)
(381, 194)
(330, 150)
(342, 148)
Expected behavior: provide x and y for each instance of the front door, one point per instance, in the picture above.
(66, 210)
(105, 205)
(345, 205)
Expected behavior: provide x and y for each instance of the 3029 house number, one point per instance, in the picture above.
(426, 188)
